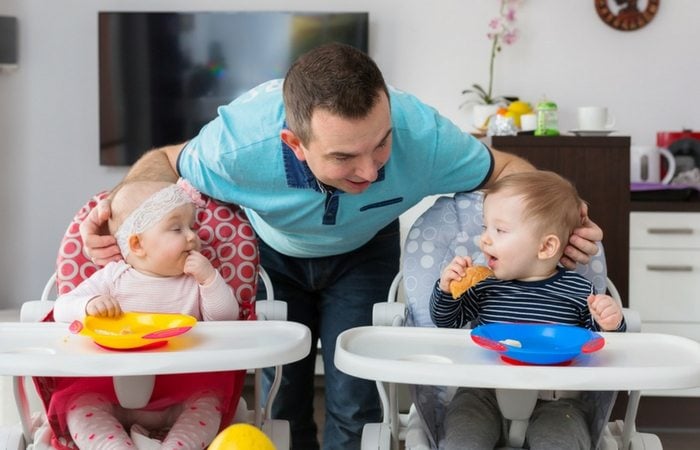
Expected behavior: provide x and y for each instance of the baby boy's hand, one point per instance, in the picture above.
(605, 311)
(103, 306)
(455, 270)
(200, 268)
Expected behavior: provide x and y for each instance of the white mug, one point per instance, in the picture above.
(528, 122)
(595, 118)
(645, 164)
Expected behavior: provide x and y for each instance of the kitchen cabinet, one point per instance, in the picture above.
(665, 271)
(665, 265)
(664, 286)
(600, 169)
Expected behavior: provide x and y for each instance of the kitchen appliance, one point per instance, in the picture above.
(646, 162)
(684, 145)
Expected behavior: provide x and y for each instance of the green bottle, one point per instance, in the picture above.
(547, 119)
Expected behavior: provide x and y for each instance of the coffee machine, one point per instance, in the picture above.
(684, 145)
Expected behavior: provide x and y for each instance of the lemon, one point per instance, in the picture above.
(241, 436)
(519, 107)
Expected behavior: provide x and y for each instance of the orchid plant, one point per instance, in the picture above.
(502, 30)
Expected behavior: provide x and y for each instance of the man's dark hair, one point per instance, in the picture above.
(336, 77)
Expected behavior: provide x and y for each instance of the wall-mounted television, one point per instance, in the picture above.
(163, 74)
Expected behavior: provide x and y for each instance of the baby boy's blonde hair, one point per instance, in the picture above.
(551, 201)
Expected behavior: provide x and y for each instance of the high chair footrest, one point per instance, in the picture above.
(612, 438)
(645, 441)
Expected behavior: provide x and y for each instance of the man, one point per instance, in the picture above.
(324, 164)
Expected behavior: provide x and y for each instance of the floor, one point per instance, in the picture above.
(677, 431)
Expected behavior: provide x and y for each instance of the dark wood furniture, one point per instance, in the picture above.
(600, 169)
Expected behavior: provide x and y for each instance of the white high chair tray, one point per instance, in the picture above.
(448, 357)
(49, 349)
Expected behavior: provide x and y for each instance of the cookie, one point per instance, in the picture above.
(474, 275)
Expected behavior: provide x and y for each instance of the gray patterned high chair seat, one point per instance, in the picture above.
(452, 226)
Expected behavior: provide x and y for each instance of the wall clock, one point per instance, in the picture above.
(628, 15)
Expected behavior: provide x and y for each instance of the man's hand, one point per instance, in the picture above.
(200, 268)
(155, 165)
(103, 306)
(99, 245)
(605, 311)
(582, 242)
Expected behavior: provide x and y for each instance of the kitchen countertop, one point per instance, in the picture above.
(691, 205)
(661, 197)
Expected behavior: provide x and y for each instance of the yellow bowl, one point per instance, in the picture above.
(133, 330)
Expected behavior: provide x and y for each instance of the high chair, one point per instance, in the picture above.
(423, 358)
(229, 242)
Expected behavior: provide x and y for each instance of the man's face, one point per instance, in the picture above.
(347, 154)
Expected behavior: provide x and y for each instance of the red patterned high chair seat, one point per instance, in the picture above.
(228, 241)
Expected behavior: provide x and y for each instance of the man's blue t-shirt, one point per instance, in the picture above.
(239, 158)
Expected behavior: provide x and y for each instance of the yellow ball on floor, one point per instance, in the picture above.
(241, 436)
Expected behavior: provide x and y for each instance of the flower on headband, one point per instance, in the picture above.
(193, 193)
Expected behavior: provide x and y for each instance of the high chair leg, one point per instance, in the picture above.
(11, 438)
(279, 433)
(23, 407)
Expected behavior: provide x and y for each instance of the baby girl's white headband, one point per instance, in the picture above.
(154, 208)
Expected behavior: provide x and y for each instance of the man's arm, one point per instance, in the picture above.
(505, 163)
(156, 165)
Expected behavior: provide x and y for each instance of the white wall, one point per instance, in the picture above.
(434, 49)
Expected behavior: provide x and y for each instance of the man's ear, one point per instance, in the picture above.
(135, 246)
(293, 142)
(549, 247)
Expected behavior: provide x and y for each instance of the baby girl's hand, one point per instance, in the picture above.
(103, 306)
(200, 268)
(605, 311)
(455, 270)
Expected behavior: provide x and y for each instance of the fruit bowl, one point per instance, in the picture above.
(543, 344)
(133, 330)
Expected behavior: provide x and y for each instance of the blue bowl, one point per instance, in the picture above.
(531, 343)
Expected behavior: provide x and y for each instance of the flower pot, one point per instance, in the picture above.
(481, 115)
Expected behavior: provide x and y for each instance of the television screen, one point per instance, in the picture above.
(162, 75)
